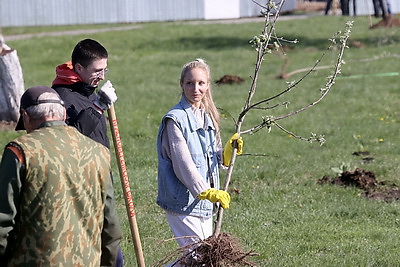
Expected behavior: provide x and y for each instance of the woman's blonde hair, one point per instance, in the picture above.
(207, 100)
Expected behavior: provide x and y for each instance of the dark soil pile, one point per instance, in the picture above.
(229, 79)
(386, 22)
(358, 178)
(365, 180)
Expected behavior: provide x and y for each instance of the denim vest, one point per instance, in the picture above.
(172, 193)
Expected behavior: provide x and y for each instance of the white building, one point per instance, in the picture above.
(72, 12)
(366, 7)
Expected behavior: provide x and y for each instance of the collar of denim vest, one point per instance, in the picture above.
(192, 118)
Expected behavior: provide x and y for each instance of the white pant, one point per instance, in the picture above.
(189, 229)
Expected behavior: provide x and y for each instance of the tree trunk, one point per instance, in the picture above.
(11, 83)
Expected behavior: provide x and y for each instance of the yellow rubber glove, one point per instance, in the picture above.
(215, 195)
(227, 155)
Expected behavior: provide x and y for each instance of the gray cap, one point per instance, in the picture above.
(30, 98)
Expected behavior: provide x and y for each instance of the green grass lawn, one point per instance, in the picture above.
(278, 210)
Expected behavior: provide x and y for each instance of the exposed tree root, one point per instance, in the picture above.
(215, 251)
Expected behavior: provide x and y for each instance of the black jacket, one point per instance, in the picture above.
(78, 99)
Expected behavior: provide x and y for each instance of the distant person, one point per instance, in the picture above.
(354, 7)
(344, 6)
(189, 154)
(76, 82)
(53, 184)
(381, 8)
(389, 7)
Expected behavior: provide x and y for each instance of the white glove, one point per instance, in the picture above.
(106, 97)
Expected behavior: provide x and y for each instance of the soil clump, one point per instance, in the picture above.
(366, 181)
(229, 79)
(386, 22)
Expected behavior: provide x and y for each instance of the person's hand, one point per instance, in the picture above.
(106, 97)
(229, 147)
(215, 195)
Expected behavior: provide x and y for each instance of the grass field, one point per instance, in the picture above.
(280, 211)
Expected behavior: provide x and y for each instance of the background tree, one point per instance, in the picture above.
(262, 44)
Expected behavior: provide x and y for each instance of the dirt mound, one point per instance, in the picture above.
(386, 194)
(386, 22)
(229, 79)
(365, 180)
(358, 178)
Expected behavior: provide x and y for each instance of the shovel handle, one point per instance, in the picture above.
(130, 208)
(220, 213)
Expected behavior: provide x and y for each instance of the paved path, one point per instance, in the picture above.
(246, 20)
(71, 32)
(137, 26)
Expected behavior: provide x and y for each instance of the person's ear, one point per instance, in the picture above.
(25, 115)
(26, 120)
(78, 67)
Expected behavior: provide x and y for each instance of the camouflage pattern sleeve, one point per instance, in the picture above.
(11, 169)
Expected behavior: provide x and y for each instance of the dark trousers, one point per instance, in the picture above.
(380, 8)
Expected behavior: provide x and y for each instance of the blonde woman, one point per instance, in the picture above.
(189, 154)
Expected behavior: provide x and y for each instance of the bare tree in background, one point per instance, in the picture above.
(11, 82)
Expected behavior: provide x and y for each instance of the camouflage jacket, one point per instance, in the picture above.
(53, 190)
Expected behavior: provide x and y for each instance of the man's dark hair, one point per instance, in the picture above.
(86, 51)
